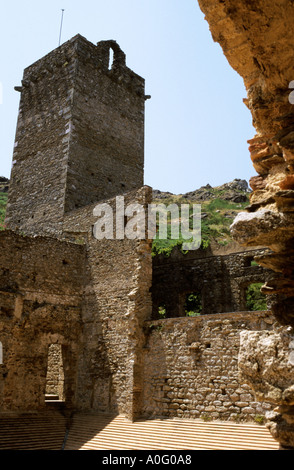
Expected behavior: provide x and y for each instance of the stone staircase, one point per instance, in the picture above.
(102, 432)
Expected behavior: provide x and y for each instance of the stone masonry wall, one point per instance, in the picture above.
(79, 142)
(191, 367)
(117, 301)
(79, 136)
(221, 277)
(40, 304)
(106, 154)
(39, 171)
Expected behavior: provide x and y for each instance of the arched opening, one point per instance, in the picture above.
(55, 374)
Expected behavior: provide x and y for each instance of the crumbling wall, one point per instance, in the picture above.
(191, 367)
(220, 276)
(266, 363)
(40, 297)
(117, 301)
(79, 141)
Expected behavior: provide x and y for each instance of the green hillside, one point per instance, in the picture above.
(219, 207)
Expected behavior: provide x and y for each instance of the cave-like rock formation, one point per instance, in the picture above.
(257, 38)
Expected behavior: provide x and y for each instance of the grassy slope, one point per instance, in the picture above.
(217, 216)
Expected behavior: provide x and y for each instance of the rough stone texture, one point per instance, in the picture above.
(257, 39)
(79, 141)
(40, 297)
(117, 302)
(266, 363)
(55, 373)
(219, 275)
(269, 353)
(93, 297)
(191, 367)
(81, 124)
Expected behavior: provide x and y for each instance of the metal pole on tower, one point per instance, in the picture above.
(61, 27)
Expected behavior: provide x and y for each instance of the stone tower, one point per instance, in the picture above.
(79, 136)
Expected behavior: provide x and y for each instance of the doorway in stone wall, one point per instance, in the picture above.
(55, 374)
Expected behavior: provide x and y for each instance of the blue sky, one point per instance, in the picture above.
(196, 125)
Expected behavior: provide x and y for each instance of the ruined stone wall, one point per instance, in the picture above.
(79, 141)
(79, 137)
(91, 297)
(191, 367)
(221, 278)
(117, 302)
(40, 296)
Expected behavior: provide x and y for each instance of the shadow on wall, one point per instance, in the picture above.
(202, 283)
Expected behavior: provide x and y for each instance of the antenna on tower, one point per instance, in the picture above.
(61, 26)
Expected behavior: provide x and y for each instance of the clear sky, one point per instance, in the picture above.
(196, 125)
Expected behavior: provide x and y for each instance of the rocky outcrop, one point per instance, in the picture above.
(257, 39)
(264, 355)
(234, 191)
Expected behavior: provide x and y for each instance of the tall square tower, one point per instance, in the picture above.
(79, 136)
